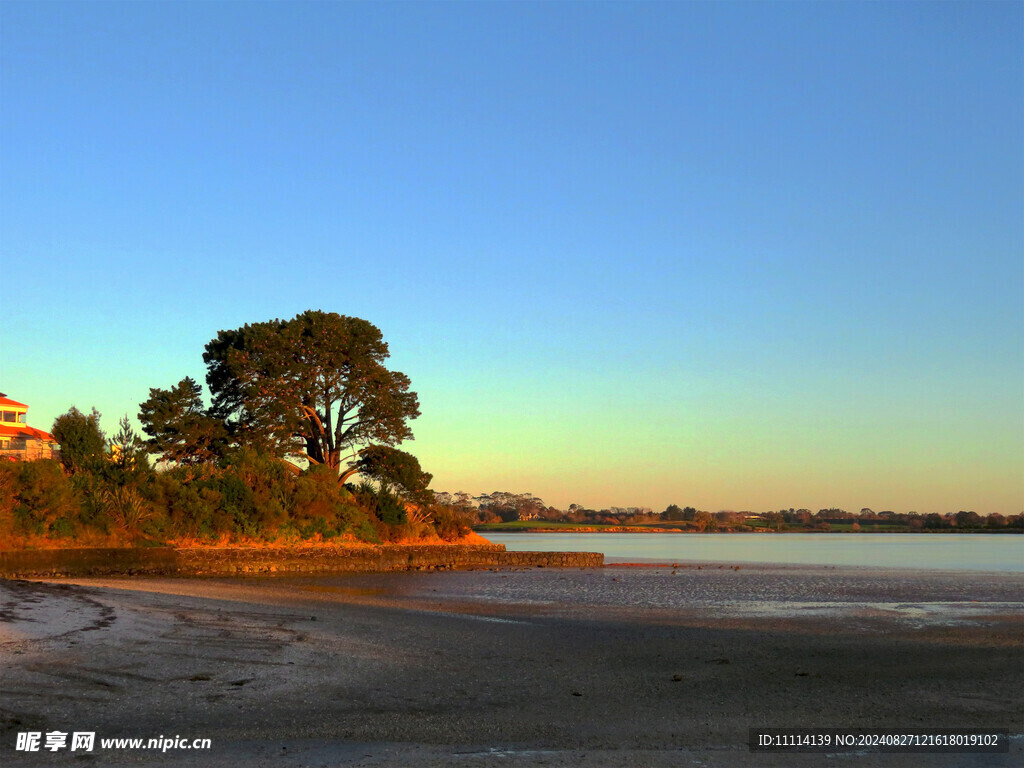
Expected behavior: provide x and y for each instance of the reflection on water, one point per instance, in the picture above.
(958, 552)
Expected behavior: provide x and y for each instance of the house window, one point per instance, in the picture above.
(9, 415)
(21, 418)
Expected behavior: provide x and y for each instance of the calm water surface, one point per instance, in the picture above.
(958, 552)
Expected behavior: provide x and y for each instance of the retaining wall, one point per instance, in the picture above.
(229, 561)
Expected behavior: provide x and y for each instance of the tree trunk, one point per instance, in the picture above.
(315, 451)
(334, 459)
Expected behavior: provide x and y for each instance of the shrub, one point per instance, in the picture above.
(8, 483)
(42, 496)
(126, 507)
(321, 505)
(451, 523)
(264, 507)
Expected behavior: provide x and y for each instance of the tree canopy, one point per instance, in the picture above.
(82, 443)
(178, 425)
(315, 384)
(395, 470)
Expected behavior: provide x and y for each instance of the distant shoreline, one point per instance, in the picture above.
(500, 528)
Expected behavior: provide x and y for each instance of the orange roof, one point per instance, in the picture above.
(23, 431)
(7, 401)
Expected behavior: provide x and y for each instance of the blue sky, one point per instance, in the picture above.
(739, 256)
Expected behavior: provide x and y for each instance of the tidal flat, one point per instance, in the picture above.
(617, 666)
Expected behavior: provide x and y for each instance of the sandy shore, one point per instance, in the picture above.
(609, 667)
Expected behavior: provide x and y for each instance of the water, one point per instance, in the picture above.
(958, 552)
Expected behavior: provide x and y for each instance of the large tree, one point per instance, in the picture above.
(315, 384)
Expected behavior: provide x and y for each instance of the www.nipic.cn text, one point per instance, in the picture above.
(85, 741)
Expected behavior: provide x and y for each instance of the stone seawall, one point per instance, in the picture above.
(231, 561)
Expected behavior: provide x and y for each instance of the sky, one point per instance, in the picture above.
(740, 256)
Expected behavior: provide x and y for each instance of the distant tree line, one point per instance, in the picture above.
(503, 506)
(868, 519)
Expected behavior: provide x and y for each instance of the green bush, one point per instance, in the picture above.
(245, 495)
(321, 505)
(269, 483)
(42, 495)
(8, 483)
(451, 523)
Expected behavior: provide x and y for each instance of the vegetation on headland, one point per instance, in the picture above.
(298, 409)
(509, 512)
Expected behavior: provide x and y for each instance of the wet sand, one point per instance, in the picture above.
(610, 667)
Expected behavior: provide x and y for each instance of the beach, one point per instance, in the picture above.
(615, 666)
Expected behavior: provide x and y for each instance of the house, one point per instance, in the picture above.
(18, 441)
